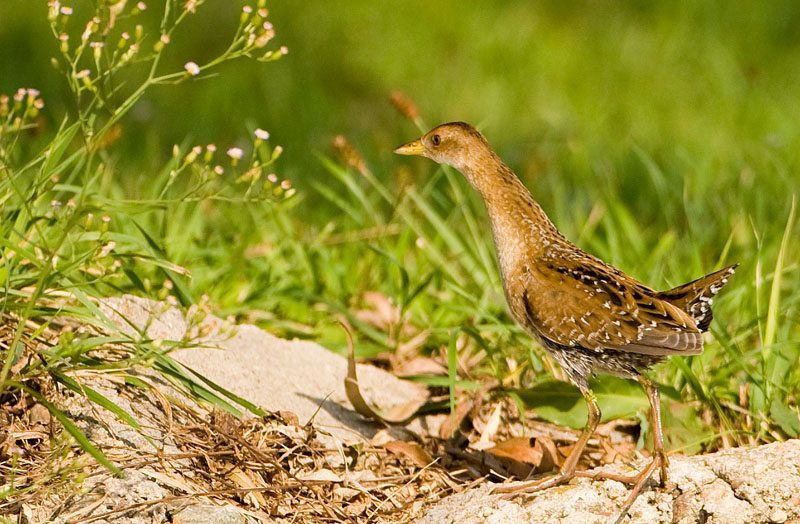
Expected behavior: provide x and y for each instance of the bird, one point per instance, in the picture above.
(588, 315)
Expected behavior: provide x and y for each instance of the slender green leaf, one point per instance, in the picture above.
(785, 417)
(562, 403)
(72, 429)
(452, 373)
(773, 309)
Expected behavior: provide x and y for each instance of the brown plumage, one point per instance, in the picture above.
(590, 316)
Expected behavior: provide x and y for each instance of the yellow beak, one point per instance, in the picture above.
(412, 148)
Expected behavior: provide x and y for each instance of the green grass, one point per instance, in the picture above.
(69, 236)
(661, 137)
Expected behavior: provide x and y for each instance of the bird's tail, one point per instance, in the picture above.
(696, 297)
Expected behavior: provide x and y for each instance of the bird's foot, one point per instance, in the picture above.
(533, 486)
(660, 460)
(638, 481)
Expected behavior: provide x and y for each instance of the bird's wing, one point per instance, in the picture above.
(584, 302)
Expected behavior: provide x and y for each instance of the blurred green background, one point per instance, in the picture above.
(688, 82)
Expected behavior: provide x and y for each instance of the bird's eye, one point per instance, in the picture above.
(436, 140)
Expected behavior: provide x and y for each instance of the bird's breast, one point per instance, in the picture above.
(515, 261)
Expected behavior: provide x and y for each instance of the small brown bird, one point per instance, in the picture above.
(590, 316)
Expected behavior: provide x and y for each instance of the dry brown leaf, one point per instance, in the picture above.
(551, 456)
(321, 475)
(402, 412)
(356, 508)
(419, 366)
(342, 493)
(292, 432)
(354, 478)
(492, 424)
(383, 313)
(521, 449)
(523, 456)
(381, 437)
(411, 451)
(249, 480)
(395, 415)
(450, 424)
(409, 349)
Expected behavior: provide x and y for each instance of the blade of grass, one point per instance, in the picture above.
(452, 374)
(773, 309)
(101, 400)
(176, 370)
(455, 245)
(71, 428)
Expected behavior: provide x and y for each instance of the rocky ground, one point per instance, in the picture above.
(739, 486)
(314, 459)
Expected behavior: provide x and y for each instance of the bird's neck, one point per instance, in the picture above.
(518, 222)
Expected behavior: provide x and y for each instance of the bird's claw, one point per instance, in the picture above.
(533, 486)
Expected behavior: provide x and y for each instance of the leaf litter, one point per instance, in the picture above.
(271, 468)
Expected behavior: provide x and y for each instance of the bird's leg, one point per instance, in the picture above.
(654, 395)
(567, 470)
(659, 457)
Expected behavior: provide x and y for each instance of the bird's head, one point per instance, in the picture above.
(456, 144)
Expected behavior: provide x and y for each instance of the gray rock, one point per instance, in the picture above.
(275, 374)
(209, 515)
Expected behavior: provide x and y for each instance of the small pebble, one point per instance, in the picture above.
(778, 516)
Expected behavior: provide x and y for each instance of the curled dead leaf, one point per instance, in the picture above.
(492, 425)
(343, 493)
(411, 451)
(383, 314)
(409, 349)
(418, 366)
(550, 453)
(394, 415)
(524, 456)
